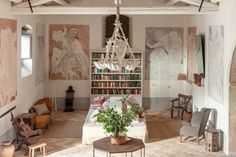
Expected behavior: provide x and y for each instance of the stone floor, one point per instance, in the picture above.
(163, 140)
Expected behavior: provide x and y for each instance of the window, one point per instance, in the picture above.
(26, 50)
(25, 46)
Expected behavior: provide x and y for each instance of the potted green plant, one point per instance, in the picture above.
(116, 122)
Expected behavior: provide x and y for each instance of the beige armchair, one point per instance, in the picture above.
(180, 104)
(197, 126)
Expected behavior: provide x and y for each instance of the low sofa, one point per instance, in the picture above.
(43, 119)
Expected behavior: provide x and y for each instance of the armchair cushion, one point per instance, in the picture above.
(41, 121)
(189, 130)
(41, 109)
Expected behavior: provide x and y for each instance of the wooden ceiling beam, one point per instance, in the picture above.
(62, 2)
(15, 1)
(35, 3)
(191, 2)
(172, 2)
(45, 10)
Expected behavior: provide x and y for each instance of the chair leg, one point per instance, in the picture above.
(181, 139)
(171, 113)
(198, 141)
(182, 115)
(178, 113)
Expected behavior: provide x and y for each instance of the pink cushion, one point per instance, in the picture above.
(98, 102)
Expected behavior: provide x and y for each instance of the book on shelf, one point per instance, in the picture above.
(116, 91)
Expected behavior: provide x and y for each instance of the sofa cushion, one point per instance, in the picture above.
(41, 109)
(98, 101)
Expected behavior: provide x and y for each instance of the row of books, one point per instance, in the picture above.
(116, 91)
(123, 70)
(116, 77)
(116, 84)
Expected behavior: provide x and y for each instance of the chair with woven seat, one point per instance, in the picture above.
(180, 104)
(197, 126)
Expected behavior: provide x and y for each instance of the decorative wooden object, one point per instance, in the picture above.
(40, 146)
(109, 23)
(212, 140)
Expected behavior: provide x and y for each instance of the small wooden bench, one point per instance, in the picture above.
(33, 147)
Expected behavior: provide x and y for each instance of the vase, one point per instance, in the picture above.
(118, 140)
(7, 149)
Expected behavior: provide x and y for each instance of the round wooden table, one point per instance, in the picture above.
(131, 146)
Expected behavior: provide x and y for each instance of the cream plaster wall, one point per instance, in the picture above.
(226, 17)
(164, 88)
(27, 92)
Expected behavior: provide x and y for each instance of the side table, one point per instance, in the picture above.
(212, 140)
(131, 146)
(28, 118)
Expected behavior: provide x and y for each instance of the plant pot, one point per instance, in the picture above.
(7, 149)
(118, 139)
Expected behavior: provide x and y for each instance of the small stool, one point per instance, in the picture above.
(40, 146)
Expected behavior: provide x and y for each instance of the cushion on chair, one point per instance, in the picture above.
(41, 121)
(41, 109)
(189, 130)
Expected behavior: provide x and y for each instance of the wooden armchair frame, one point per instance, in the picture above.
(180, 104)
(24, 135)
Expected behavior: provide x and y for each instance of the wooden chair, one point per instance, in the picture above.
(180, 104)
(24, 134)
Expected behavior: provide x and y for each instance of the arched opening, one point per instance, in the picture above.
(26, 50)
(232, 106)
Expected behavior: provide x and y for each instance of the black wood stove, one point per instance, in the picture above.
(69, 100)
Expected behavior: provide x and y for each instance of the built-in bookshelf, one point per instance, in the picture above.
(115, 83)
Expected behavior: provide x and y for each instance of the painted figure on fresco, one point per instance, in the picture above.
(164, 53)
(70, 61)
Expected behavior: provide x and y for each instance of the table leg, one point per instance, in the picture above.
(93, 152)
(44, 152)
(30, 152)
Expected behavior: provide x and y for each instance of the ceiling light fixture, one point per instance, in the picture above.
(118, 52)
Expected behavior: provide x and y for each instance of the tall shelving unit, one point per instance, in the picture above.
(116, 83)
